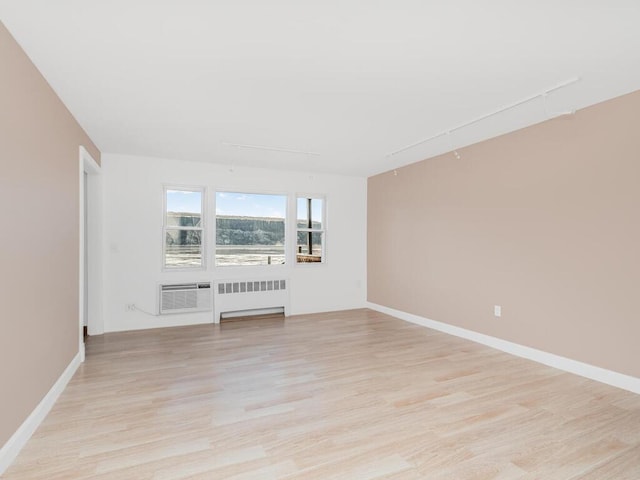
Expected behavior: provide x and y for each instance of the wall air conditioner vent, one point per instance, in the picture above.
(185, 297)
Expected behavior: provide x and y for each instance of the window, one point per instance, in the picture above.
(250, 229)
(310, 227)
(183, 227)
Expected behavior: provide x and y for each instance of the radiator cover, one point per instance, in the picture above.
(237, 295)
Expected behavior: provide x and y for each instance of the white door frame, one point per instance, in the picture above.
(93, 228)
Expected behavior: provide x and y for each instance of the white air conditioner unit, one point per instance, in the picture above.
(185, 297)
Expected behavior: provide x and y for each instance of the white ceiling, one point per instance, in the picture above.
(350, 80)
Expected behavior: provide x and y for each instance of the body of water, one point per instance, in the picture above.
(229, 255)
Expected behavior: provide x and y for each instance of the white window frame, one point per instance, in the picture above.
(202, 228)
(287, 241)
(322, 231)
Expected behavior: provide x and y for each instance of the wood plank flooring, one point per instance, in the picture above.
(345, 395)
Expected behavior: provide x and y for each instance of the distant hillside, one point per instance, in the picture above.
(232, 230)
(235, 230)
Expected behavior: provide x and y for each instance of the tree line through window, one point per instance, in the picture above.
(250, 229)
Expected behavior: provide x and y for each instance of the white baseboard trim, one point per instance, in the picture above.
(19, 439)
(626, 382)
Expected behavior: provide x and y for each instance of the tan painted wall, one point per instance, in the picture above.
(544, 221)
(39, 243)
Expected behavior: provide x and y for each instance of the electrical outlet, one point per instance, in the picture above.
(130, 307)
(497, 310)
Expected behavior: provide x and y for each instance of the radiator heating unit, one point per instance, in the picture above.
(250, 296)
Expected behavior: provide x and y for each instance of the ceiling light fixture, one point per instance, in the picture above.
(271, 149)
(543, 94)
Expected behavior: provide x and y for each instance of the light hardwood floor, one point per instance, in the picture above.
(345, 395)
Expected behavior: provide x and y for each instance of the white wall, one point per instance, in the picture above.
(133, 195)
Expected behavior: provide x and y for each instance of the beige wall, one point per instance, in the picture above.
(39, 244)
(544, 221)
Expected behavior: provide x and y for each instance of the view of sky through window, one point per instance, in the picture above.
(251, 205)
(239, 204)
(184, 201)
(316, 209)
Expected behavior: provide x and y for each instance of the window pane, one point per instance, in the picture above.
(184, 208)
(250, 229)
(309, 213)
(309, 247)
(183, 248)
(303, 213)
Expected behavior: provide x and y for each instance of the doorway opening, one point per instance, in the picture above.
(90, 274)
